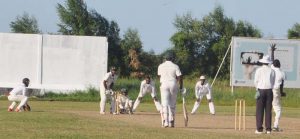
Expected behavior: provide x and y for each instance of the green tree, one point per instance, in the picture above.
(76, 19)
(200, 45)
(25, 24)
(132, 47)
(294, 32)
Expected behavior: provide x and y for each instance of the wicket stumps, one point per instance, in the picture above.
(241, 110)
(117, 110)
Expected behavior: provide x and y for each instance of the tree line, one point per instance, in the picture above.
(199, 44)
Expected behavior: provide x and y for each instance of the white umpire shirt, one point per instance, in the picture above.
(279, 76)
(109, 78)
(168, 71)
(264, 77)
(19, 90)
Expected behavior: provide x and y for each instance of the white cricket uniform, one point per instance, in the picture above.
(279, 76)
(168, 72)
(109, 78)
(18, 94)
(124, 102)
(144, 89)
(200, 91)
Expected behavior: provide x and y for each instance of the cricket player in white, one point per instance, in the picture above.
(18, 94)
(106, 90)
(169, 74)
(125, 103)
(202, 89)
(147, 85)
(279, 78)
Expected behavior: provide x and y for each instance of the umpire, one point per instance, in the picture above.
(264, 81)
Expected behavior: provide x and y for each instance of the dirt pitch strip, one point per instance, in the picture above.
(202, 123)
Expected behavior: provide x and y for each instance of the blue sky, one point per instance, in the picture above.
(154, 18)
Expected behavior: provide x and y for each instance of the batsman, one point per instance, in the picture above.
(170, 77)
(106, 90)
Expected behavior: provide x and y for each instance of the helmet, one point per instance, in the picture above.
(202, 77)
(123, 90)
(26, 81)
(113, 68)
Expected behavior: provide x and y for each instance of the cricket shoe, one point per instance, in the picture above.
(258, 132)
(268, 132)
(10, 110)
(166, 124)
(17, 110)
(276, 129)
(172, 124)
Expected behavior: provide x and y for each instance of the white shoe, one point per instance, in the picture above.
(268, 132)
(258, 132)
(102, 113)
(166, 124)
(192, 113)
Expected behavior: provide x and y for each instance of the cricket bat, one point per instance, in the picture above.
(185, 114)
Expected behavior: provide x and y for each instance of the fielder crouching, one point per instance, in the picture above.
(147, 85)
(202, 89)
(18, 94)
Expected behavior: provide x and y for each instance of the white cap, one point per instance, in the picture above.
(202, 77)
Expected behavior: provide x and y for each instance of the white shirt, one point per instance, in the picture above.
(168, 71)
(264, 77)
(202, 89)
(109, 78)
(123, 99)
(19, 90)
(148, 87)
(279, 76)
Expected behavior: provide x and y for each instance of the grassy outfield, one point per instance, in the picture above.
(65, 119)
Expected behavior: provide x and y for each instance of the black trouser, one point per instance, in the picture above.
(264, 105)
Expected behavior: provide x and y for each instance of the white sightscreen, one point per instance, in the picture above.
(19, 58)
(52, 61)
(76, 61)
(247, 51)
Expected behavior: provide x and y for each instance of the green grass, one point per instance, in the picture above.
(80, 120)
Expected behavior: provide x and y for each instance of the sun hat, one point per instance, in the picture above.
(202, 77)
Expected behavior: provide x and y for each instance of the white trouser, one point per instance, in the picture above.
(168, 100)
(210, 104)
(140, 96)
(17, 98)
(126, 105)
(103, 101)
(276, 106)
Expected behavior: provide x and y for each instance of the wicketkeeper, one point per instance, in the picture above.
(202, 89)
(125, 103)
(106, 90)
(147, 86)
